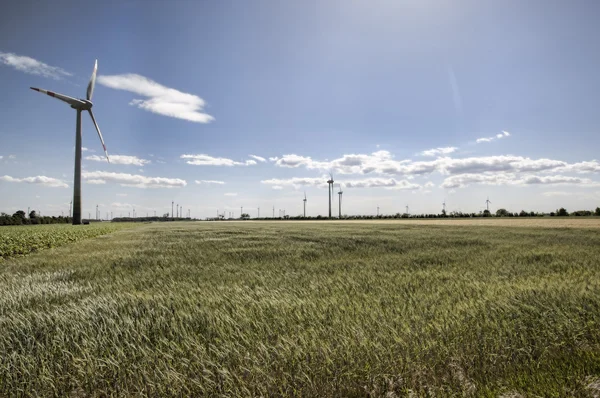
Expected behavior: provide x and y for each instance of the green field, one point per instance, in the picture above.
(18, 240)
(306, 309)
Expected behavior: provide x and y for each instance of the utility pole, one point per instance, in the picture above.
(172, 214)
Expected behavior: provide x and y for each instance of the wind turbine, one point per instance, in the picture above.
(406, 209)
(488, 203)
(79, 105)
(304, 200)
(444, 206)
(340, 199)
(330, 190)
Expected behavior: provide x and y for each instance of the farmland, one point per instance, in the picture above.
(308, 309)
(15, 241)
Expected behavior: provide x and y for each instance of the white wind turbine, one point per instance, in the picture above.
(304, 204)
(340, 200)
(79, 105)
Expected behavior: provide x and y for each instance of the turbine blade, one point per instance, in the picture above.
(99, 134)
(62, 97)
(92, 83)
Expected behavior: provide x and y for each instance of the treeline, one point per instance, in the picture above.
(149, 219)
(21, 218)
(562, 212)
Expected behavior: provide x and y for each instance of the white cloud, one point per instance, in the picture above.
(206, 160)
(12, 156)
(297, 182)
(161, 100)
(132, 180)
(429, 184)
(277, 187)
(259, 158)
(439, 151)
(321, 182)
(210, 182)
(32, 66)
(383, 163)
(498, 136)
(273, 159)
(559, 193)
(96, 182)
(84, 149)
(161, 161)
(1, 157)
(463, 180)
(41, 180)
(121, 194)
(119, 159)
(231, 194)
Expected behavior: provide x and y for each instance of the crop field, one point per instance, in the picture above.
(20, 240)
(307, 309)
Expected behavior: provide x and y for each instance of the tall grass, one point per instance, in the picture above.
(294, 309)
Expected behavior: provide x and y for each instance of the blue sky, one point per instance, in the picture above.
(393, 97)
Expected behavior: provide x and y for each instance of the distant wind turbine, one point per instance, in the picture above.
(330, 190)
(304, 200)
(79, 105)
(487, 204)
(340, 200)
(444, 206)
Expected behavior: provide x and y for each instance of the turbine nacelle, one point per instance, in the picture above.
(85, 105)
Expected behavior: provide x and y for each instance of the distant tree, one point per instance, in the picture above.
(443, 213)
(597, 212)
(562, 212)
(552, 214)
(486, 213)
(245, 216)
(32, 214)
(502, 213)
(523, 213)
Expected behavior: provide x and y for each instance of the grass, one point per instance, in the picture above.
(306, 309)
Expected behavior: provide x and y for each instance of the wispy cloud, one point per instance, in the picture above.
(298, 182)
(456, 97)
(463, 180)
(231, 194)
(439, 151)
(209, 182)
(32, 66)
(206, 160)
(41, 180)
(498, 136)
(160, 99)
(119, 159)
(259, 158)
(134, 180)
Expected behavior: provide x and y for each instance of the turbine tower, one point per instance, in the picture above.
(79, 105)
(444, 206)
(407, 209)
(304, 200)
(487, 204)
(330, 190)
(340, 200)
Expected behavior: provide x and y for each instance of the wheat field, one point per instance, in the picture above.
(402, 308)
